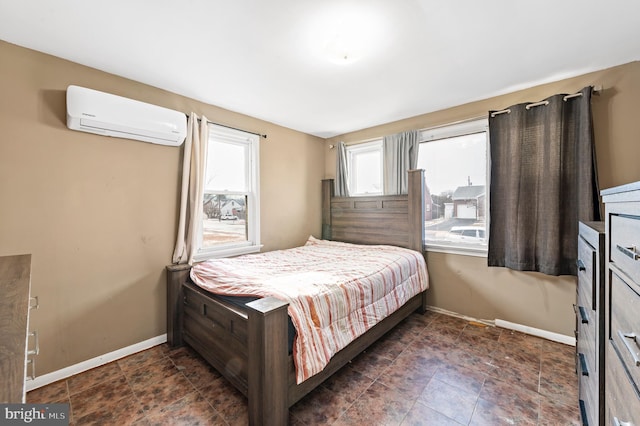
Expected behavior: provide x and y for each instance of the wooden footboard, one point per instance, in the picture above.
(249, 347)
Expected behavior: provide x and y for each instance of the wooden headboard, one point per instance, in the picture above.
(387, 219)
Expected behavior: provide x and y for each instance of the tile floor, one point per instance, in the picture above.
(432, 369)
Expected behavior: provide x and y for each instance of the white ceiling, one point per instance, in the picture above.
(271, 59)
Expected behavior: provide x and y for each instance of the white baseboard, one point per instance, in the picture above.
(457, 315)
(549, 335)
(54, 376)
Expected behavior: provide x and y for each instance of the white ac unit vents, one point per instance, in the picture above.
(105, 114)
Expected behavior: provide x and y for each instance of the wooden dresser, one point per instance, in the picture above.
(590, 322)
(622, 328)
(15, 283)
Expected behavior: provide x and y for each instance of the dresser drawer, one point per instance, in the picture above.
(588, 367)
(625, 244)
(586, 273)
(586, 316)
(622, 403)
(588, 376)
(586, 345)
(625, 325)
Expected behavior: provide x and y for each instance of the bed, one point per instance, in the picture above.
(250, 343)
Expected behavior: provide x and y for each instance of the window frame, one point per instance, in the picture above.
(251, 143)
(451, 131)
(363, 148)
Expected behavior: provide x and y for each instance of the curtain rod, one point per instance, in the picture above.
(595, 90)
(233, 128)
(466, 120)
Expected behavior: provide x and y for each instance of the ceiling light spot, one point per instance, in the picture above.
(344, 47)
(344, 34)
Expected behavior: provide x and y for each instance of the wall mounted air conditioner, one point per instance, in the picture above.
(110, 115)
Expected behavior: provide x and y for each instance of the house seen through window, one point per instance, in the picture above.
(456, 201)
(230, 205)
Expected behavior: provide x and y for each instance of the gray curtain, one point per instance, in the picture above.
(543, 181)
(400, 155)
(342, 177)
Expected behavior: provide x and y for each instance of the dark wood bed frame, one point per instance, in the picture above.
(249, 346)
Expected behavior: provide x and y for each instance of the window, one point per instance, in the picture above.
(455, 162)
(230, 205)
(364, 162)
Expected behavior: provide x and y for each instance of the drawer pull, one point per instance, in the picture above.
(617, 422)
(36, 350)
(629, 251)
(34, 303)
(31, 362)
(583, 315)
(626, 337)
(581, 266)
(583, 365)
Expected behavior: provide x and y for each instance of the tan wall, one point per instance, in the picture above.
(465, 284)
(99, 214)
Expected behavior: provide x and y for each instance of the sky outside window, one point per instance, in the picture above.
(367, 172)
(452, 162)
(226, 167)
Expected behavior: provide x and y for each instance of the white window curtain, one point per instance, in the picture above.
(193, 168)
(400, 155)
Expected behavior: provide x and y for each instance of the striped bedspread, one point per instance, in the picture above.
(336, 291)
